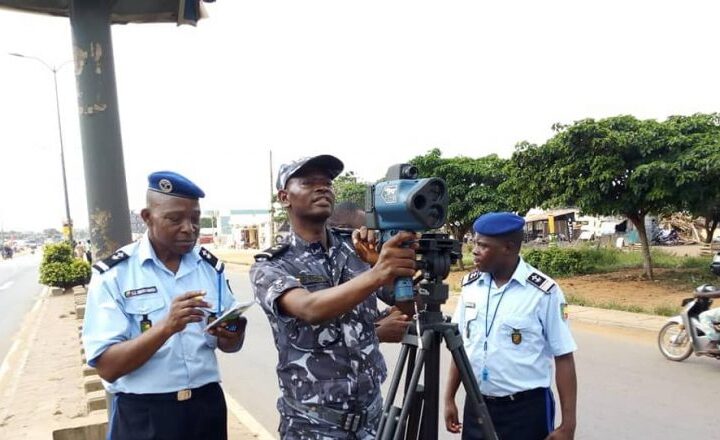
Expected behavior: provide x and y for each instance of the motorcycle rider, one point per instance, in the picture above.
(710, 321)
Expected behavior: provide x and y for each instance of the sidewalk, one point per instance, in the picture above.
(43, 383)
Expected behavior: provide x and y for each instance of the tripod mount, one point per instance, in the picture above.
(420, 353)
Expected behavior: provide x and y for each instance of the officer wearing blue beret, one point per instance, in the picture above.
(514, 325)
(147, 307)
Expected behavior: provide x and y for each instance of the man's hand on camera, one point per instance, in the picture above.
(392, 327)
(395, 260)
(365, 242)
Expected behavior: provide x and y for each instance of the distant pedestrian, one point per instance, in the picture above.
(88, 252)
(80, 250)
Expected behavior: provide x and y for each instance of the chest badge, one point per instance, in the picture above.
(516, 336)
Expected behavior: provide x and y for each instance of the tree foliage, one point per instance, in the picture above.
(619, 165)
(698, 181)
(349, 189)
(472, 186)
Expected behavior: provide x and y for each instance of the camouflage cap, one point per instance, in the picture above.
(325, 162)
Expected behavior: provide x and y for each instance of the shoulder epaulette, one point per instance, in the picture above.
(270, 253)
(541, 282)
(212, 260)
(103, 266)
(472, 276)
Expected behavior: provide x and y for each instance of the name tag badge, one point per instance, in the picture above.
(140, 291)
(469, 305)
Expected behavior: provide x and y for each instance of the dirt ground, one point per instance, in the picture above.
(626, 289)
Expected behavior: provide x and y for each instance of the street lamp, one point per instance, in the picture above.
(54, 69)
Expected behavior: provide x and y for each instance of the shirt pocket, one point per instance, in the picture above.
(519, 333)
(472, 326)
(150, 306)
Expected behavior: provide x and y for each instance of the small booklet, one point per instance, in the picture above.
(231, 314)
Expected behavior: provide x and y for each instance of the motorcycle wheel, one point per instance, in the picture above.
(674, 342)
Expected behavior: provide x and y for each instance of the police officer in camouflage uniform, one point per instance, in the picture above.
(320, 299)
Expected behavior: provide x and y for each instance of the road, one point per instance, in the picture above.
(626, 389)
(19, 289)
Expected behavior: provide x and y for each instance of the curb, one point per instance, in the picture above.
(617, 318)
(21, 335)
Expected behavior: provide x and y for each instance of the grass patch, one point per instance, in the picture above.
(666, 310)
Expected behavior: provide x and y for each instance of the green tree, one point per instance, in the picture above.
(349, 189)
(698, 178)
(279, 214)
(619, 165)
(472, 186)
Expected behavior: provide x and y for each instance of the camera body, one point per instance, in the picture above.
(404, 202)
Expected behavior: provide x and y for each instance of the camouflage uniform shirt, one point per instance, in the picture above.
(336, 364)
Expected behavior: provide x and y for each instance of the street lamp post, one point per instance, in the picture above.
(54, 69)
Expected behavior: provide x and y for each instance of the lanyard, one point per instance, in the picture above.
(487, 312)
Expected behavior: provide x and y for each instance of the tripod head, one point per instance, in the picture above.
(437, 253)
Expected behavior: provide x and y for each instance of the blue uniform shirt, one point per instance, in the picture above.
(141, 285)
(529, 330)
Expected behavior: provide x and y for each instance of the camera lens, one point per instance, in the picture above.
(436, 191)
(409, 172)
(419, 201)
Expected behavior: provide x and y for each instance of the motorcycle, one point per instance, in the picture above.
(666, 237)
(683, 333)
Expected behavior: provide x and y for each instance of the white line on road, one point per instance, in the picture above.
(247, 419)
(6, 285)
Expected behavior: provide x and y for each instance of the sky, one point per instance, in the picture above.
(374, 83)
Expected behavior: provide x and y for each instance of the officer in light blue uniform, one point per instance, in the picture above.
(514, 325)
(147, 308)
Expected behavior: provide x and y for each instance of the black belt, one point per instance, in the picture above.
(348, 421)
(179, 396)
(522, 395)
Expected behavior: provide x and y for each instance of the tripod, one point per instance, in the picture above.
(418, 417)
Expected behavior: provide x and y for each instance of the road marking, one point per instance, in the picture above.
(247, 419)
(28, 329)
(6, 285)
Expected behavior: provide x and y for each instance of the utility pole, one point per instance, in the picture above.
(105, 185)
(54, 70)
(272, 206)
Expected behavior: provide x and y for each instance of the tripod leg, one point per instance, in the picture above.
(405, 350)
(412, 391)
(472, 390)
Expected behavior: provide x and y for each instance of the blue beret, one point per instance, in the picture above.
(330, 164)
(173, 184)
(498, 223)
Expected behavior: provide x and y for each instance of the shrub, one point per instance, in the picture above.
(557, 261)
(60, 269)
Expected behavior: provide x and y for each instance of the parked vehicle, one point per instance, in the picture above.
(666, 237)
(7, 252)
(682, 334)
